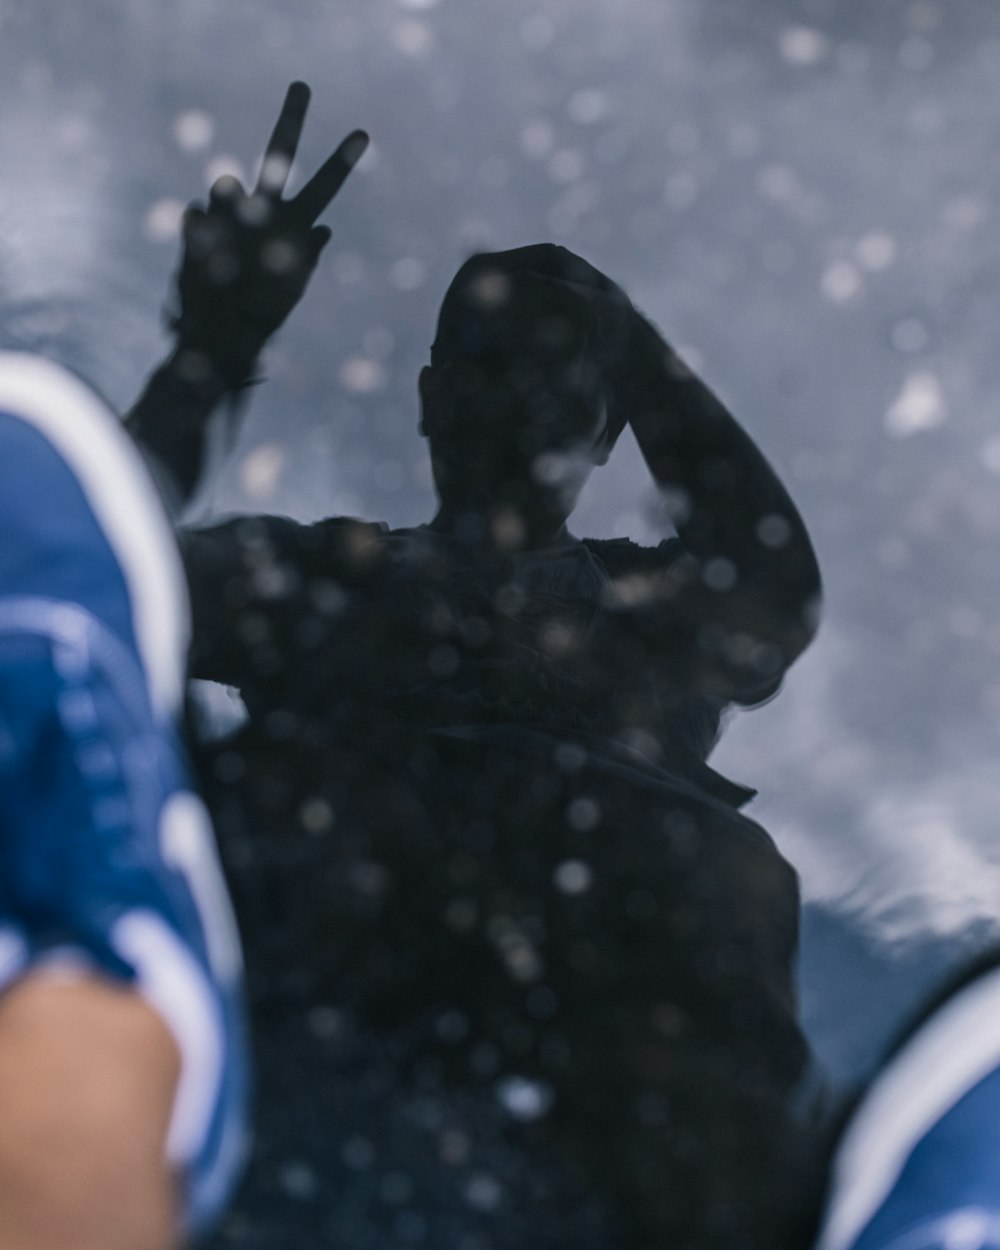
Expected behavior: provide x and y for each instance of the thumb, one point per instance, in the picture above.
(319, 237)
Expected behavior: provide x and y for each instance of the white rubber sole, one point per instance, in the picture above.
(123, 498)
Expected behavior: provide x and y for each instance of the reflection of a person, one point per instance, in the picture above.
(523, 969)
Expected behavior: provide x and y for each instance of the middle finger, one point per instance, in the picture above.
(284, 142)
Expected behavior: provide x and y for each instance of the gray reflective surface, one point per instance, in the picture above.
(803, 196)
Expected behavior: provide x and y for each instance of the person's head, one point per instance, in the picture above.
(515, 401)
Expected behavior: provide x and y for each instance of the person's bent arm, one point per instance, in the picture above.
(752, 579)
(88, 1072)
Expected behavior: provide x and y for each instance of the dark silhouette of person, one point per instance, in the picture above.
(521, 969)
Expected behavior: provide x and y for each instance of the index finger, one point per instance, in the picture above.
(329, 178)
(284, 141)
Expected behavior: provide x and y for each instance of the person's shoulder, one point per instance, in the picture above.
(246, 527)
(347, 549)
(312, 533)
(349, 532)
(239, 541)
(284, 535)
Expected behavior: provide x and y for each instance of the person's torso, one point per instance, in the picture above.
(438, 637)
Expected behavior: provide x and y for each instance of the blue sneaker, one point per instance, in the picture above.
(918, 1165)
(107, 858)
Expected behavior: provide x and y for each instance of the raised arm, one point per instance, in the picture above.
(246, 262)
(751, 576)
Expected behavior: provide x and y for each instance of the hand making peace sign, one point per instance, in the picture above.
(248, 257)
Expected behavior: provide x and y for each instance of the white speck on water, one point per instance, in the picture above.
(566, 165)
(525, 1099)
(583, 814)
(412, 38)
(162, 223)
(362, 376)
(841, 282)
(588, 106)
(919, 406)
(965, 212)
(316, 815)
(298, 1180)
(261, 470)
(408, 273)
(803, 45)
(719, 574)
(537, 139)
(773, 530)
(194, 130)
(876, 251)
(779, 183)
(483, 1192)
(573, 876)
(326, 1022)
(990, 455)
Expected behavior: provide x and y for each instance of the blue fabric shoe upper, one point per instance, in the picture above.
(106, 856)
